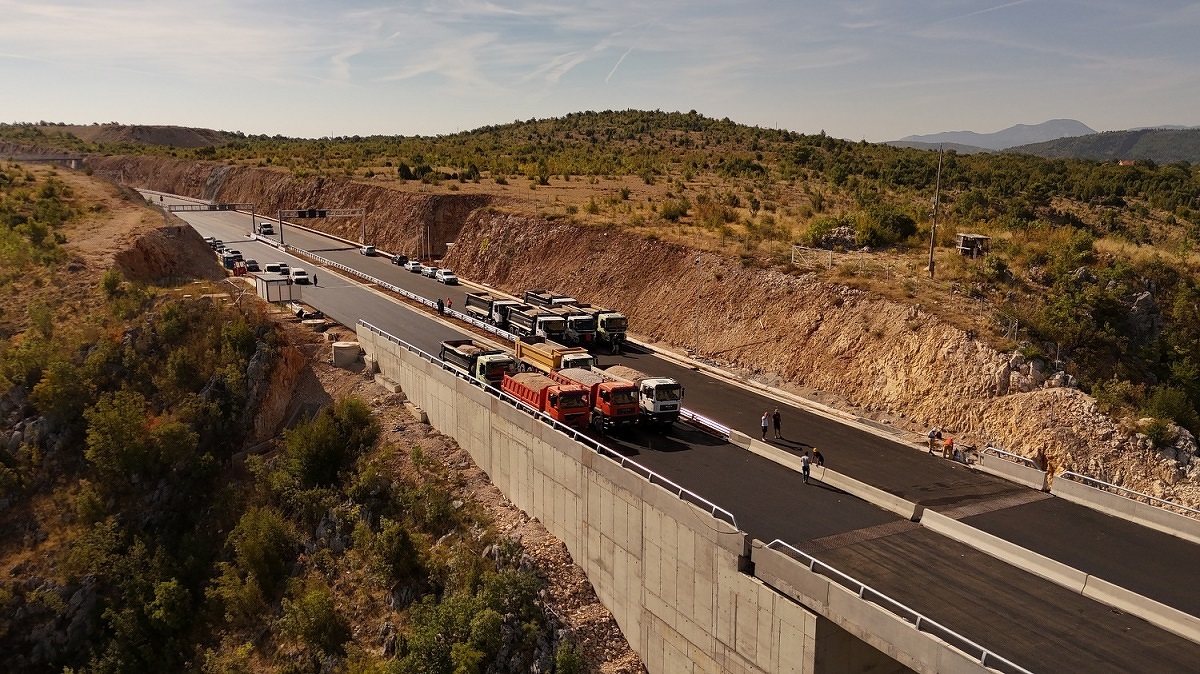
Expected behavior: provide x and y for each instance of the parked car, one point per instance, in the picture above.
(235, 254)
(400, 260)
(299, 276)
(446, 276)
(367, 250)
(284, 269)
(252, 265)
(414, 266)
(428, 271)
(271, 268)
(213, 242)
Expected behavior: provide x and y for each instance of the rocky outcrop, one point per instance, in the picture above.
(876, 353)
(395, 221)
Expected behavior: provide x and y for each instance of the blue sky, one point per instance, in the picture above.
(873, 69)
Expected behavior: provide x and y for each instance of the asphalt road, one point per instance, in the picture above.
(1026, 619)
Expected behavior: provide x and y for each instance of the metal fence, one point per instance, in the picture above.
(1131, 494)
(919, 621)
(575, 434)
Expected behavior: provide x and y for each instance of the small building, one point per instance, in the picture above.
(275, 288)
(974, 245)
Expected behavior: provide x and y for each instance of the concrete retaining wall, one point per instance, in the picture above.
(670, 573)
(1118, 506)
(1014, 472)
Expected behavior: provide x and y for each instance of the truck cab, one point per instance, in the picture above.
(581, 325)
(478, 360)
(490, 309)
(565, 403)
(614, 403)
(659, 398)
(532, 321)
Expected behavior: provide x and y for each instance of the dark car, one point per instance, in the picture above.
(252, 265)
(400, 260)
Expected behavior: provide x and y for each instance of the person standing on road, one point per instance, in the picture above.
(765, 419)
(314, 279)
(777, 420)
(935, 434)
(805, 463)
(449, 303)
(441, 306)
(818, 458)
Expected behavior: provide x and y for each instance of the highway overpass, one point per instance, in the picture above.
(1031, 621)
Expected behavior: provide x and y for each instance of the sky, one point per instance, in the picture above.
(859, 69)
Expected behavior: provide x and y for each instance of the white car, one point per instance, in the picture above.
(414, 266)
(446, 276)
(299, 276)
(428, 271)
(369, 251)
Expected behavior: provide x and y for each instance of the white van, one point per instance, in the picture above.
(299, 276)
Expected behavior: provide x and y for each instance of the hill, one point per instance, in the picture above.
(1162, 146)
(166, 136)
(948, 147)
(1020, 134)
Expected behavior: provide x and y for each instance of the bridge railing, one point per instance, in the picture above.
(575, 434)
(919, 621)
(1130, 494)
(1009, 456)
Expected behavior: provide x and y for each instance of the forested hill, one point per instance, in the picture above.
(1162, 146)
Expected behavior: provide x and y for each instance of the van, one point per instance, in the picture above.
(369, 251)
(271, 268)
(299, 276)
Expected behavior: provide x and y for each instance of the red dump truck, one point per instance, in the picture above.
(565, 403)
(614, 403)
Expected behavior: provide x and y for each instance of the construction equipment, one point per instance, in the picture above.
(614, 403)
(487, 364)
(566, 403)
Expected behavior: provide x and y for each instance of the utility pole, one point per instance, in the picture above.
(937, 192)
(696, 348)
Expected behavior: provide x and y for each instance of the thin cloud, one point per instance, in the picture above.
(618, 65)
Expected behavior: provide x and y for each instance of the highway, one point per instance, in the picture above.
(1028, 620)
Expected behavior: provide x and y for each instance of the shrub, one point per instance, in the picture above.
(110, 283)
(313, 618)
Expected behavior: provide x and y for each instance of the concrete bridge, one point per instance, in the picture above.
(693, 592)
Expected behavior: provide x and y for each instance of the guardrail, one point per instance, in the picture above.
(1009, 456)
(919, 621)
(679, 490)
(1130, 493)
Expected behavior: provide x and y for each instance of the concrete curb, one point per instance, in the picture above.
(1170, 619)
(1152, 517)
(876, 497)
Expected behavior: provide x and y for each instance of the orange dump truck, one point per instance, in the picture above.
(565, 403)
(614, 403)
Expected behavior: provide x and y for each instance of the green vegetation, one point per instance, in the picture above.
(154, 551)
(1077, 244)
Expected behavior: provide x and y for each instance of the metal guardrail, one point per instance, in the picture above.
(677, 489)
(919, 621)
(1009, 456)
(1130, 493)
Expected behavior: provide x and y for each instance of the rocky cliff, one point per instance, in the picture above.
(396, 221)
(875, 354)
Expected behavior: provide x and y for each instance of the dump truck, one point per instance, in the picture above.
(490, 309)
(527, 321)
(659, 398)
(581, 325)
(614, 403)
(539, 353)
(610, 326)
(478, 360)
(547, 299)
(565, 403)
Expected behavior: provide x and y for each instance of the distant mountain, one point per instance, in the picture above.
(960, 149)
(1021, 134)
(1162, 146)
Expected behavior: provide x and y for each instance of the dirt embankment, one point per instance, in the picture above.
(881, 357)
(877, 355)
(168, 136)
(399, 222)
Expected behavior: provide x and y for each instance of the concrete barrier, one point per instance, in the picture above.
(1145, 514)
(1011, 553)
(1170, 619)
(1012, 471)
(873, 495)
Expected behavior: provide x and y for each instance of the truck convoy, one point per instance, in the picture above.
(527, 321)
(614, 403)
(490, 309)
(564, 402)
(610, 325)
(478, 360)
(542, 354)
(659, 398)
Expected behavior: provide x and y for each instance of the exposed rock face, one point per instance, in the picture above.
(399, 222)
(876, 353)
